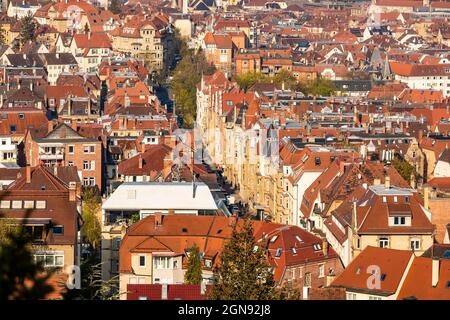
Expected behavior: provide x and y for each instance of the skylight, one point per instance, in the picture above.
(278, 253)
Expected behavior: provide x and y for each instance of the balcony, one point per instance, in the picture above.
(51, 156)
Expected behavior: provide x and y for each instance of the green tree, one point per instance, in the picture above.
(284, 77)
(405, 169)
(247, 80)
(21, 278)
(28, 28)
(193, 273)
(186, 76)
(244, 273)
(288, 292)
(93, 287)
(317, 87)
(91, 230)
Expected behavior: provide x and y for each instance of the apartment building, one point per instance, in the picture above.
(48, 207)
(155, 251)
(391, 274)
(63, 146)
(384, 216)
(149, 39)
(8, 150)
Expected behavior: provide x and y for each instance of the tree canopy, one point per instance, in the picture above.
(193, 273)
(91, 230)
(186, 76)
(244, 273)
(21, 278)
(28, 28)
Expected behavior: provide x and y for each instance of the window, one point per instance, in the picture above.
(21, 116)
(92, 181)
(28, 204)
(41, 204)
(92, 165)
(86, 165)
(58, 230)
(278, 253)
(17, 204)
(142, 298)
(384, 199)
(415, 244)
(89, 149)
(317, 247)
(116, 243)
(399, 221)
(406, 199)
(321, 270)
(70, 163)
(85, 181)
(5, 204)
(162, 262)
(141, 261)
(383, 242)
(307, 280)
(395, 199)
(50, 258)
(317, 161)
(351, 296)
(71, 149)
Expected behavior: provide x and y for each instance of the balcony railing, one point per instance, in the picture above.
(51, 156)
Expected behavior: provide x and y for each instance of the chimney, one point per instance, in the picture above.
(202, 288)
(434, 272)
(28, 173)
(426, 197)
(376, 182)
(141, 162)
(164, 291)
(158, 220)
(325, 246)
(72, 191)
(412, 180)
(420, 135)
(354, 216)
(387, 182)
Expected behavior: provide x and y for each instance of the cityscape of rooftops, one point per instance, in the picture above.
(247, 151)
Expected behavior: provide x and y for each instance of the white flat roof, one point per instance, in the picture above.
(160, 196)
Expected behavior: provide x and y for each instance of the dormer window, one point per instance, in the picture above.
(399, 221)
(278, 253)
